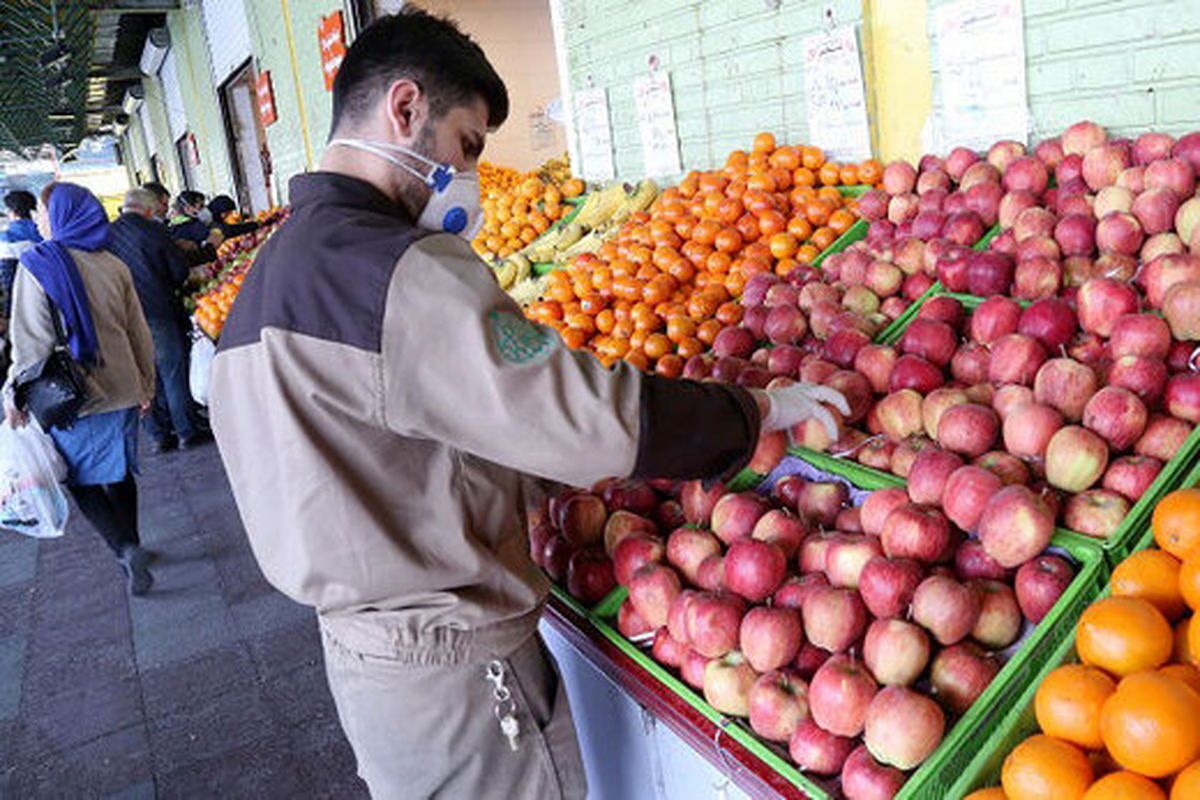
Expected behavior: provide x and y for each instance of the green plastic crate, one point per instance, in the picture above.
(855, 233)
(1124, 539)
(960, 745)
(1146, 539)
(745, 480)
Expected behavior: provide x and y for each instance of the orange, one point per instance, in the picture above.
(1124, 786)
(1193, 641)
(994, 793)
(764, 143)
(1179, 653)
(1151, 725)
(1045, 768)
(1189, 582)
(1153, 576)
(1176, 522)
(1069, 701)
(1123, 635)
(1183, 672)
(1187, 783)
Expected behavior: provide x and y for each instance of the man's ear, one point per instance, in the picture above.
(406, 109)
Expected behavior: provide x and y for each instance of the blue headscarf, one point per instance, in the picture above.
(76, 220)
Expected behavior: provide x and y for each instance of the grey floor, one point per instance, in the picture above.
(210, 686)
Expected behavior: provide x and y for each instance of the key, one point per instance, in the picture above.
(510, 728)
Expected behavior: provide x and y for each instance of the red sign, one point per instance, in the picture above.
(331, 35)
(193, 150)
(265, 94)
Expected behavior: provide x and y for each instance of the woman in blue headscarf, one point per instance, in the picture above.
(72, 275)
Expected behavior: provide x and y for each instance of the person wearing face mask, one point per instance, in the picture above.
(20, 235)
(381, 406)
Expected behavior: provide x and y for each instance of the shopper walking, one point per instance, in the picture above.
(20, 235)
(73, 276)
(378, 400)
(159, 271)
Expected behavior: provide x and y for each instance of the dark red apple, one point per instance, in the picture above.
(1039, 584)
(818, 751)
(960, 674)
(887, 585)
(834, 619)
(1016, 358)
(1029, 428)
(967, 492)
(928, 476)
(754, 569)
(946, 608)
(839, 695)
(972, 562)
(996, 317)
(1132, 476)
(590, 575)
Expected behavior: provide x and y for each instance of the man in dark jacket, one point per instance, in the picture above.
(159, 270)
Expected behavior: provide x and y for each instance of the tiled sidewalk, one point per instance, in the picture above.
(210, 686)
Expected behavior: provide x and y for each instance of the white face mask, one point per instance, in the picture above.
(205, 216)
(453, 205)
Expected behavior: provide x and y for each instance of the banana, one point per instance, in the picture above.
(523, 267)
(607, 201)
(646, 194)
(571, 234)
(506, 275)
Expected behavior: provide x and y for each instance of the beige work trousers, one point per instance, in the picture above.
(431, 731)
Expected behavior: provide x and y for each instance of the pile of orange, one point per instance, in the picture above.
(210, 305)
(518, 208)
(660, 290)
(1125, 723)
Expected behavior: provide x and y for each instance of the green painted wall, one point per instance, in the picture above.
(155, 110)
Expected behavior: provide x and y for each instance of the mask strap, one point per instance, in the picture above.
(439, 175)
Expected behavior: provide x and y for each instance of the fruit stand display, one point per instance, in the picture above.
(210, 303)
(1115, 713)
(518, 208)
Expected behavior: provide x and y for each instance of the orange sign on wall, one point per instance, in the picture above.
(265, 94)
(331, 34)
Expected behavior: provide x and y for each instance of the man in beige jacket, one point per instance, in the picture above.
(377, 400)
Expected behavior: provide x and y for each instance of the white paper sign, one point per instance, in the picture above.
(981, 58)
(595, 134)
(836, 100)
(656, 122)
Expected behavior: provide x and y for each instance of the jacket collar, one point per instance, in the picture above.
(334, 188)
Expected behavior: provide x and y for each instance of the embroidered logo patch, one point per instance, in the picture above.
(519, 340)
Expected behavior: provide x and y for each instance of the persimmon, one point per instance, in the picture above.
(1045, 768)
(841, 220)
(870, 172)
(771, 223)
(807, 253)
(764, 143)
(800, 227)
(1068, 704)
(1123, 635)
(823, 237)
(831, 194)
(1152, 575)
(829, 174)
(730, 313)
(786, 157)
(812, 157)
(706, 231)
(1124, 786)
(1151, 725)
(817, 211)
(670, 366)
(803, 178)
(748, 227)
(637, 359)
(783, 245)
(574, 338)
(680, 327)
(1192, 645)
(689, 347)
(785, 266)
(718, 262)
(708, 330)
(606, 321)
(736, 158)
(729, 210)
(848, 174)
(1187, 783)
(762, 181)
(1189, 582)
(729, 240)
(1176, 522)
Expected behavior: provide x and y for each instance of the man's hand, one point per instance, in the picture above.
(215, 237)
(144, 407)
(790, 405)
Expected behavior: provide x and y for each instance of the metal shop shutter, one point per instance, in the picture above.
(176, 113)
(228, 35)
(151, 140)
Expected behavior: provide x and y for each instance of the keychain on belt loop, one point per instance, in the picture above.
(505, 708)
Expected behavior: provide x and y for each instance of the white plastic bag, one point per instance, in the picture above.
(203, 351)
(31, 500)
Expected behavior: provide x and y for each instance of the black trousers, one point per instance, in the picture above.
(112, 510)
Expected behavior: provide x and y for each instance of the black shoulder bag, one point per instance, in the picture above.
(54, 390)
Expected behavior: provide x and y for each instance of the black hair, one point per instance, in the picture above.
(157, 189)
(221, 205)
(20, 203)
(189, 198)
(448, 65)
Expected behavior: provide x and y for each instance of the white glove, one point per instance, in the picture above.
(790, 405)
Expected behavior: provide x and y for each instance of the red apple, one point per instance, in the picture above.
(834, 619)
(820, 501)
(875, 362)
(1010, 397)
(846, 558)
(1039, 584)
(692, 667)
(668, 515)
(1159, 275)
(896, 652)
(1096, 512)
(1163, 437)
(653, 587)
(879, 504)
(1102, 301)
(995, 317)
(582, 519)
(735, 515)
(1000, 619)
(1066, 385)
(1075, 459)
(933, 340)
(906, 452)
(1034, 221)
(713, 621)
(929, 473)
(1151, 147)
(1016, 359)
(979, 173)
(1117, 415)
(814, 553)
(818, 751)
(710, 575)
(876, 453)
(1112, 199)
(590, 575)
(1132, 476)
(848, 520)
(556, 556)
(688, 547)
(969, 429)
(1082, 137)
(677, 616)
(1076, 234)
(1016, 525)
(967, 491)
(900, 414)
(917, 532)
(784, 530)
(796, 589)
(1037, 278)
(1051, 321)
(903, 727)
(946, 608)
(1144, 377)
(960, 674)
(770, 638)
(970, 363)
(899, 177)
(990, 273)
(864, 778)
(937, 403)
(839, 695)
(666, 650)
(887, 585)
(727, 684)
(698, 502)
(787, 491)
(629, 622)
(1171, 174)
(1102, 165)
(1029, 428)
(972, 562)
(754, 569)
(635, 552)
(778, 704)
(1007, 467)
(1181, 307)
(943, 309)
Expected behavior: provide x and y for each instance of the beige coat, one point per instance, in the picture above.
(125, 376)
